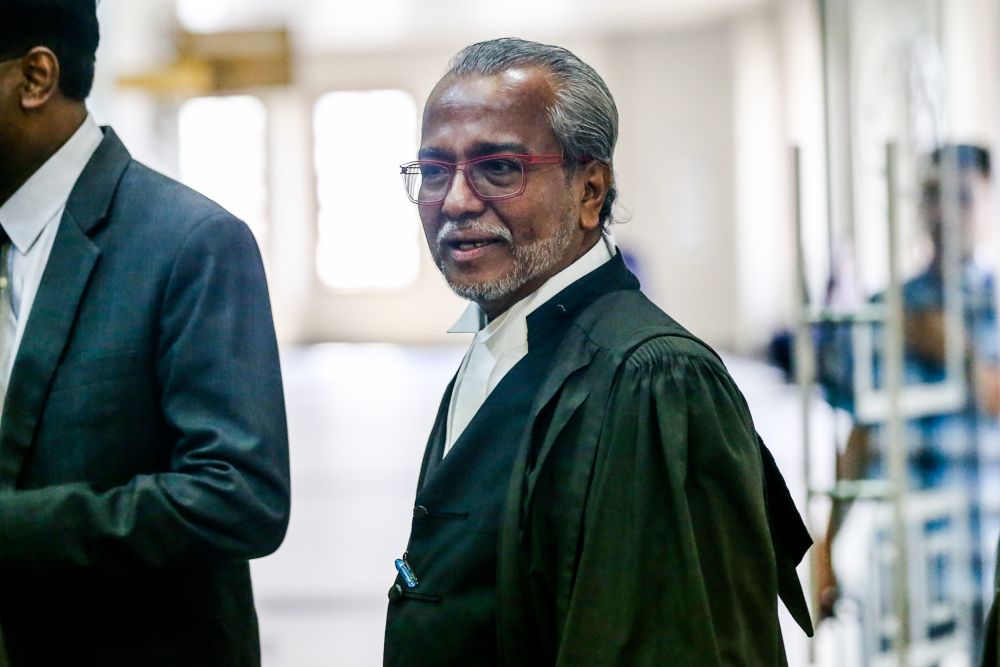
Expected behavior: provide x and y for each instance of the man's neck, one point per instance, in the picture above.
(496, 309)
(44, 137)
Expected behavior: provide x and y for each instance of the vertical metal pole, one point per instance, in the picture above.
(826, 46)
(835, 35)
(805, 371)
(828, 60)
(894, 426)
(950, 257)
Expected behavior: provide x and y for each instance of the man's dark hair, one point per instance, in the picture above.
(584, 117)
(67, 27)
(963, 156)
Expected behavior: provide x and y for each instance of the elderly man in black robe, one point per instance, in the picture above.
(593, 492)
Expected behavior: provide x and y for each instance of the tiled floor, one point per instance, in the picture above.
(358, 419)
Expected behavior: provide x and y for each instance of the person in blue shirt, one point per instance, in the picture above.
(957, 450)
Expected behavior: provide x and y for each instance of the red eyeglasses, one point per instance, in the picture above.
(491, 177)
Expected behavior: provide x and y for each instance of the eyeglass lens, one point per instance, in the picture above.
(491, 177)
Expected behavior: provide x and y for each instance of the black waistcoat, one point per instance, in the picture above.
(449, 618)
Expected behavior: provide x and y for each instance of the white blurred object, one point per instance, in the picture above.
(223, 155)
(368, 231)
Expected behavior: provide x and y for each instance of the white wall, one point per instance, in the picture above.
(970, 33)
(763, 188)
(675, 95)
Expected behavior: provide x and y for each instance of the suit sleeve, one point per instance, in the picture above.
(225, 493)
(676, 564)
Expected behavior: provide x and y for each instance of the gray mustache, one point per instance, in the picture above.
(450, 226)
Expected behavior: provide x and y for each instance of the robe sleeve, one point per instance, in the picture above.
(675, 564)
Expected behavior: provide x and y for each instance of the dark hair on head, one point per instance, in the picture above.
(963, 156)
(67, 27)
(584, 117)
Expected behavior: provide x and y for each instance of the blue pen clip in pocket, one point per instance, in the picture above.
(406, 573)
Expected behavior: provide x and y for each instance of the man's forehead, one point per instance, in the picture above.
(475, 114)
(514, 87)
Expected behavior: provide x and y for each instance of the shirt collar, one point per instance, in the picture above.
(473, 319)
(46, 191)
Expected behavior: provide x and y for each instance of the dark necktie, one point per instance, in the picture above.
(8, 323)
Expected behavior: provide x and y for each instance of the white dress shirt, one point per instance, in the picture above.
(31, 217)
(500, 344)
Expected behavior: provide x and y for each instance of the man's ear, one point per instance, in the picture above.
(596, 183)
(40, 68)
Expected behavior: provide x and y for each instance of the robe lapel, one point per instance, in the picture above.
(579, 354)
(513, 607)
(435, 443)
(575, 353)
(437, 472)
(50, 322)
(467, 449)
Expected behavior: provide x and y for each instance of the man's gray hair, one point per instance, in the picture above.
(584, 117)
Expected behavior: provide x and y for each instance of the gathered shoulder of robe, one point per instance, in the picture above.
(645, 522)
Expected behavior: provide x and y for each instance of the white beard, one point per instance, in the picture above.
(530, 261)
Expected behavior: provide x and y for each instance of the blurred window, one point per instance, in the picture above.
(223, 151)
(369, 235)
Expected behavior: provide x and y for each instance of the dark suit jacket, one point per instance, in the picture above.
(143, 448)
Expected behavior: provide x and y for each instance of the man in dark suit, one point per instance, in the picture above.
(593, 492)
(143, 448)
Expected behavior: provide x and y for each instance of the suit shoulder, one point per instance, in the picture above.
(626, 323)
(156, 201)
(673, 349)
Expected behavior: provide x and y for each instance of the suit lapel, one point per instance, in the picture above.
(53, 312)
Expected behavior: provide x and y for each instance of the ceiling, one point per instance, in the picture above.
(350, 25)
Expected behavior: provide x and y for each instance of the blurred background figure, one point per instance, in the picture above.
(951, 450)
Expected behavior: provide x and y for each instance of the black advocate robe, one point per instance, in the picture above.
(644, 524)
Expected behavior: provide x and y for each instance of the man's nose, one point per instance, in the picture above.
(460, 200)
